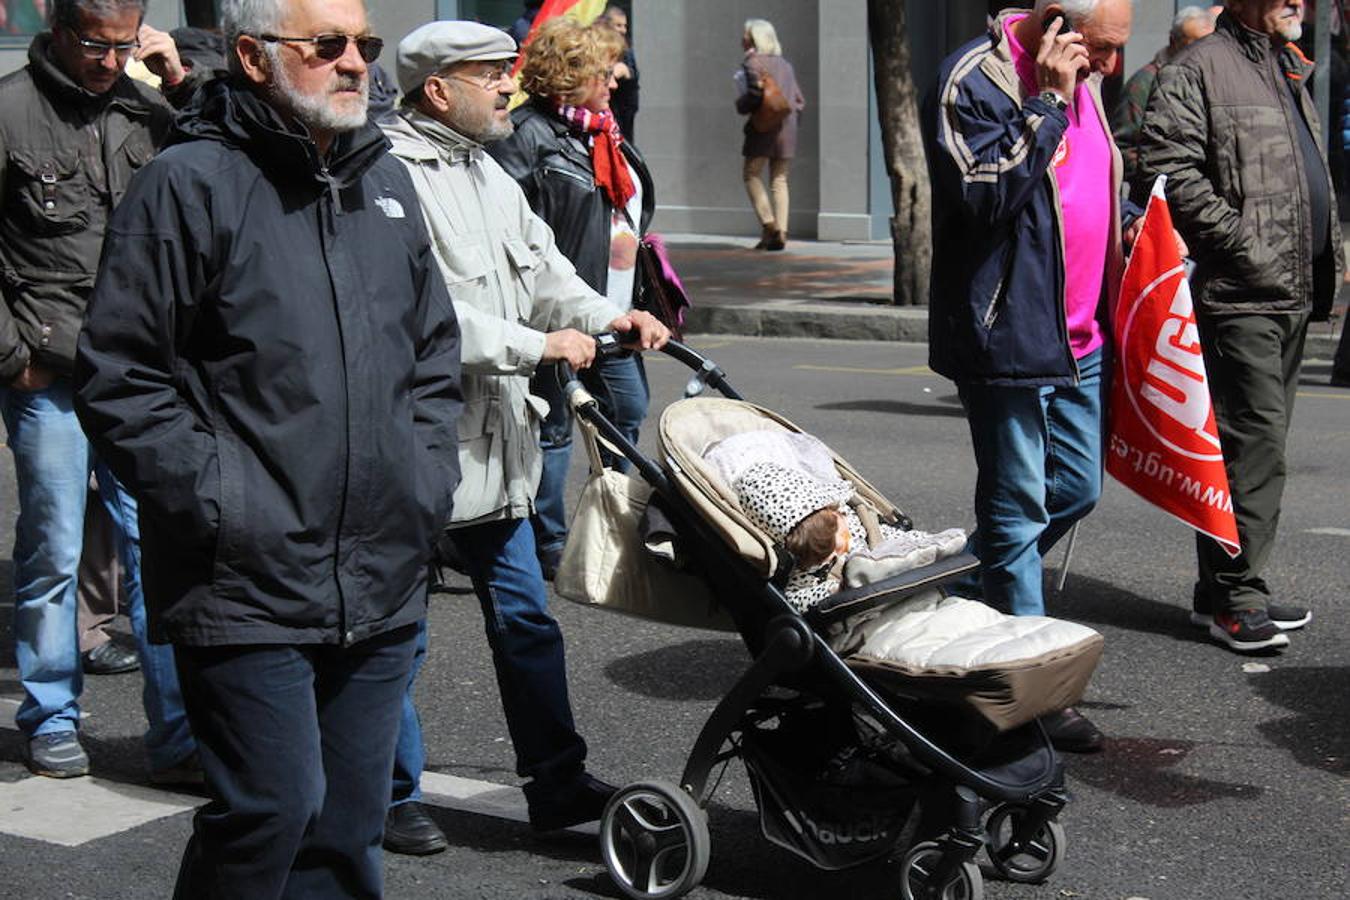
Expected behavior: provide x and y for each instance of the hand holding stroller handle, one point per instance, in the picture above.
(607, 344)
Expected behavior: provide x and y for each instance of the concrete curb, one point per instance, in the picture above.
(854, 321)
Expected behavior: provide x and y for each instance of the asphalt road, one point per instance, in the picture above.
(1225, 777)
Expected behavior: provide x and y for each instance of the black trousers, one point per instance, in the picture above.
(1252, 361)
(297, 744)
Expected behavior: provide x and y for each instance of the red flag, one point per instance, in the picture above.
(1164, 444)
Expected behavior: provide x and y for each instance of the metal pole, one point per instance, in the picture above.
(1322, 55)
(1068, 557)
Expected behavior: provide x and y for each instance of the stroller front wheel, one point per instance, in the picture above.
(1024, 859)
(919, 873)
(654, 840)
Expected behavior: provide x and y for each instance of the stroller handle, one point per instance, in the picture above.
(706, 373)
(608, 345)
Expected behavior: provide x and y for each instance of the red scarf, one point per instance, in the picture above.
(611, 169)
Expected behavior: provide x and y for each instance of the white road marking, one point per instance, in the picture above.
(1334, 532)
(480, 797)
(74, 811)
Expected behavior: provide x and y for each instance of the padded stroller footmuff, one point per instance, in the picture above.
(1007, 669)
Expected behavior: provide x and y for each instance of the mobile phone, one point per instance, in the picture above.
(1050, 17)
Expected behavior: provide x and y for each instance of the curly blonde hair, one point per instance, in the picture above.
(565, 56)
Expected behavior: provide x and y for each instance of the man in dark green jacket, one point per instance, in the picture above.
(73, 130)
(1232, 127)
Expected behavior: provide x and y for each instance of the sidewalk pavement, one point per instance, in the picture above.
(822, 289)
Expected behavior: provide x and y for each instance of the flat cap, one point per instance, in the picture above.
(436, 45)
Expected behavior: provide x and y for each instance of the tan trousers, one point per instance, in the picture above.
(100, 574)
(773, 215)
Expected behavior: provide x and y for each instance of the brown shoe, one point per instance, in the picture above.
(777, 242)
(766, 236)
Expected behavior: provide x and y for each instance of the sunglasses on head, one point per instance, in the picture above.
(332, 46)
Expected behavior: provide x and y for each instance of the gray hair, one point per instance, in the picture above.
(1077, 11)
(248, 17)
(1188, 14)
(65, 14)
(763, 37)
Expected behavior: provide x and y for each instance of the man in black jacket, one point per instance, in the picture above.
(271, 363)
(73, 130)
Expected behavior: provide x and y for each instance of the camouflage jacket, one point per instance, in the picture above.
(1221, 126)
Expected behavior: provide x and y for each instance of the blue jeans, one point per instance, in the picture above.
(619, 385)
(1039, 454)
(52, 461)
(527, 649)
(297, 742)
(410, 755)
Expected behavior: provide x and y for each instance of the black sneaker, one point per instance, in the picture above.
(408, 829)
(580, 800)
(57, 755)
(109, 659)
(1071, 731)
(1285, 618)
(1247, 630)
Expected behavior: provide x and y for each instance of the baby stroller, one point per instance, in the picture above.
(935, 753)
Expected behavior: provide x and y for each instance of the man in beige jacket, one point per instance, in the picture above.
(520, 306)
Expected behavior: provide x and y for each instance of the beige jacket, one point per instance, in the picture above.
(510, 285)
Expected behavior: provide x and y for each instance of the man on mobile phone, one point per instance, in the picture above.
(1027, 252)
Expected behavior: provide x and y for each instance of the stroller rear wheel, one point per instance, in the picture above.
(654, 840)
(1027, 861)
(918, 876)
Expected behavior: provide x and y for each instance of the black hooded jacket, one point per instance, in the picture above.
(270, 363)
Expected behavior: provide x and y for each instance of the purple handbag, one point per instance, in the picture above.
(659, 290)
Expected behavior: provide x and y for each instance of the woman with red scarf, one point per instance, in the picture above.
(589, 183)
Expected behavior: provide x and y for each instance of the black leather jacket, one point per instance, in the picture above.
(553, 167)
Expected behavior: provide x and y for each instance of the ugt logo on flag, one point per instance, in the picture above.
(1164, 444)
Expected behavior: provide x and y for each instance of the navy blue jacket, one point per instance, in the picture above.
(996, 309)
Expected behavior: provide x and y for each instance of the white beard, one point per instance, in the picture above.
(317, 112)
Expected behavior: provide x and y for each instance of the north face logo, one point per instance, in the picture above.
(391, 207)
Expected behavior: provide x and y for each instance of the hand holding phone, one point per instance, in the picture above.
(1062, 58)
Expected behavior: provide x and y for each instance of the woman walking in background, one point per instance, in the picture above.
(763, 73)
(591, 186)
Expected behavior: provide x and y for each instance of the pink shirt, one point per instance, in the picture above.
(1083, 171)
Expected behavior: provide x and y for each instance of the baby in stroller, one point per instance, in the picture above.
(787, 484)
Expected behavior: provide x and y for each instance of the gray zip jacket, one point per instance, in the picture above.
(510, 285)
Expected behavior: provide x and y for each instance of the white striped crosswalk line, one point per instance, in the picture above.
(74, 811)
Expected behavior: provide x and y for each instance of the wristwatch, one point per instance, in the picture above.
(1055, 99)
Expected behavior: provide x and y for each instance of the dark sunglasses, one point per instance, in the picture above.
(332, 46)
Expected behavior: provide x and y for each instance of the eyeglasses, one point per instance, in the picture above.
(99, 49)
(332, 46)
(487, 79)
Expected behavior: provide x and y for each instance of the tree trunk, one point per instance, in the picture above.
(902, 144)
